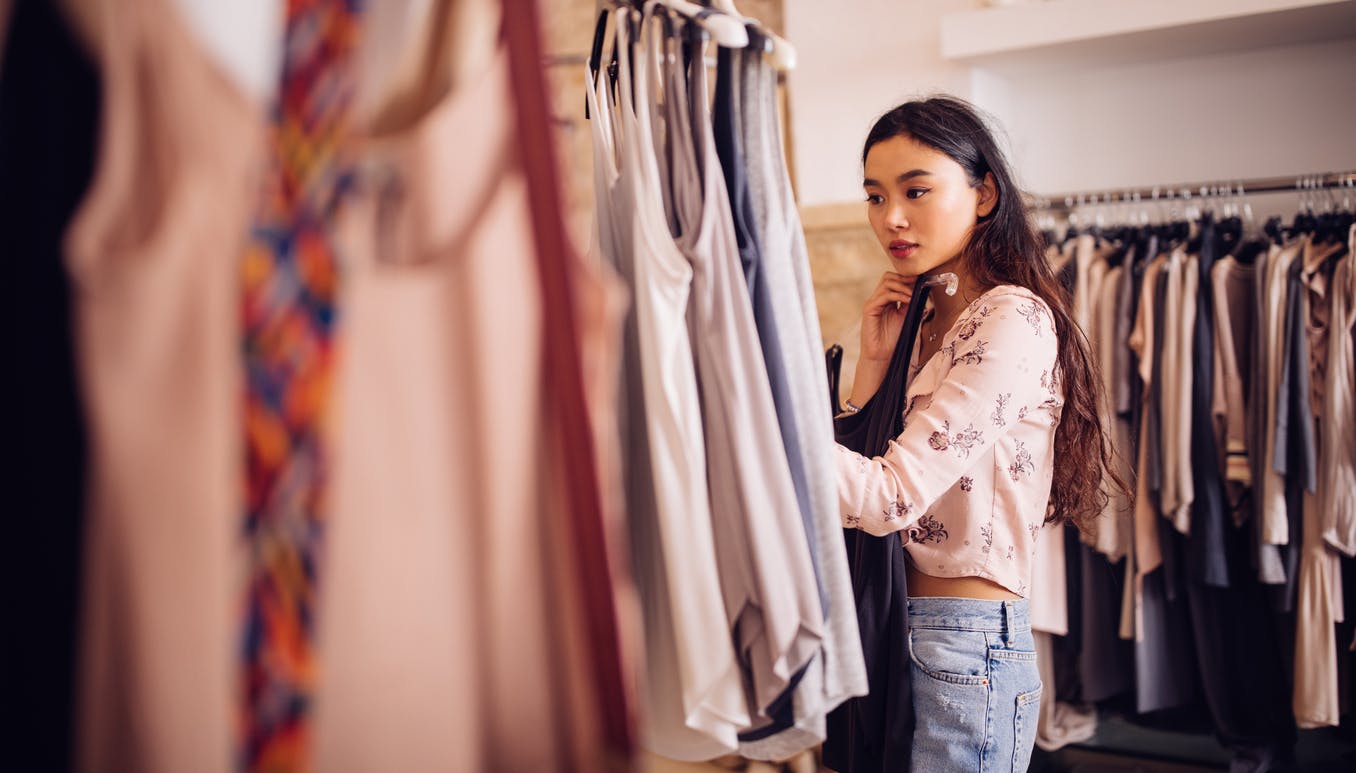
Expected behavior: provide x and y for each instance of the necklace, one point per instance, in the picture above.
(936, 328)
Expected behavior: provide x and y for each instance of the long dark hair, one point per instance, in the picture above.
(1004, 248)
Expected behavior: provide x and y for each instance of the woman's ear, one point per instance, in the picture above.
(988, 196)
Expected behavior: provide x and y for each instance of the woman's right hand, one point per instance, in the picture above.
(883, 316)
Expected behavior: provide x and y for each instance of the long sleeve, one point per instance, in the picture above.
(998, 361)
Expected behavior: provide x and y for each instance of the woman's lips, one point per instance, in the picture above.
(902, 249)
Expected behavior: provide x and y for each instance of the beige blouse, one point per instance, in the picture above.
(968, 479)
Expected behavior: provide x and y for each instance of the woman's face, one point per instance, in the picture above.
(921, 204)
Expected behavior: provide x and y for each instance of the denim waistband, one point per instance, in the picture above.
(970, 614)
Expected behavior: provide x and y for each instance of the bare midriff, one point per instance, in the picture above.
(957, 587)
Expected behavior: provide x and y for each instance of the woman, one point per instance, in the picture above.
(1003, 405)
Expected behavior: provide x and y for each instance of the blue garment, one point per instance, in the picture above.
(725, 116)
(1209, 517)
(976, 688)
(1240, 648)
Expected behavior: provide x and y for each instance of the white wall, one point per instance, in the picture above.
(1276, 111)
(855, 60)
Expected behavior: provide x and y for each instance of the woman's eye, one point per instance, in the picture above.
(915, 193)
(874, 198)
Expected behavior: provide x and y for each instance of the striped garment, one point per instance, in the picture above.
(290, 283)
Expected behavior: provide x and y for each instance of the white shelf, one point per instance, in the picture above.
(1082, 33)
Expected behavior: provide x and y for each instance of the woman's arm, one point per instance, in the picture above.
(882, 321)
(1004, 356)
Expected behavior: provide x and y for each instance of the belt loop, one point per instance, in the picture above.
(1007, 624)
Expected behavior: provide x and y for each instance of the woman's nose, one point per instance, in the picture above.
(897, 219)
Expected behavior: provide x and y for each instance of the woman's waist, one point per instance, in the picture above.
(923, 585)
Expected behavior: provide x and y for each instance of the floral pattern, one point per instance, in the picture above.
(1031, 311)
(1050, 383)
(963, 442)
(1000, 406)
(1052, 406)
(929, 529)
(898, 509)
(968, 328)
(973, 357)
(1022, 463)
(994, 516)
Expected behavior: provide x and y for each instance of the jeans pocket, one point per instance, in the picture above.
(958, 657)
(1025, 721)
(1017, 656)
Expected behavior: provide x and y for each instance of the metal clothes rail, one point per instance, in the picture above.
(1065, 202)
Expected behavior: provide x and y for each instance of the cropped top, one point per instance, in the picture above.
(967, 481)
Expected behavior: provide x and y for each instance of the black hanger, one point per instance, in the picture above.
(1304, 223)
(1117, 256)
(1228, 235)
(596, 50)
(1194, 242)
(596, 53)
(833, 362)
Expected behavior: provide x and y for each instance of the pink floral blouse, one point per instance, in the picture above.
(967, 482)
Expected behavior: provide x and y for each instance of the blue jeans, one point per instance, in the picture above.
(976, 689)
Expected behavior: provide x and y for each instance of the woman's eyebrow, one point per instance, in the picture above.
(909, 175)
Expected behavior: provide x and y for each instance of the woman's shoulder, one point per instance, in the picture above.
(1010, 302)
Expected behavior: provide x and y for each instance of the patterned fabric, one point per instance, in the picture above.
(290, 284)
(968, 479)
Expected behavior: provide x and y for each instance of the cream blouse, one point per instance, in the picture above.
(968, 479)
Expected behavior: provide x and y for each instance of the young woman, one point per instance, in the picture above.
(1001, 403)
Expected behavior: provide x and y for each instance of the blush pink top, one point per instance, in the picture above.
(968, 479)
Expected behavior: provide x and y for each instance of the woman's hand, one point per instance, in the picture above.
(883, 316)
(882, 321)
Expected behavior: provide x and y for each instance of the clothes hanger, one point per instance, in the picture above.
(1304, 221)
(781, 52)
(833, 363)
(1275, 229)
(724, 29)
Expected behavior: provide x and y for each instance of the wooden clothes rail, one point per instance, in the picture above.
(1218, 189)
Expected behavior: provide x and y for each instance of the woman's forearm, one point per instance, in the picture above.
(866, 379)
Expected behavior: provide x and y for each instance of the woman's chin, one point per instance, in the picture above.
(907, 267)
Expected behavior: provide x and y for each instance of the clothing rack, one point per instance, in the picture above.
(1066, 202)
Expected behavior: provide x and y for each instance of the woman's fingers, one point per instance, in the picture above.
(896, 283)
(883, 298)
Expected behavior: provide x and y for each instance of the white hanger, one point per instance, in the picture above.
(783, 54)
(726, 29)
